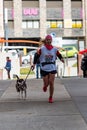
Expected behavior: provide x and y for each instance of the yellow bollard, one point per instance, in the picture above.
(25, 51)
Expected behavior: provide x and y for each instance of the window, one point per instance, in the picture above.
(36, 24)
(10, 24)
(55, 24)
(48, 24)
(60, 24)
(24, 25)
(30, 24)
(77, 24)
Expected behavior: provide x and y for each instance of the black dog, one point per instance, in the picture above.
(21, 86)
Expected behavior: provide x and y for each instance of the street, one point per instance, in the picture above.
(68, 112)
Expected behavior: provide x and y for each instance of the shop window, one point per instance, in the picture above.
(48, 24)
(54, 24)
(60, 24)
(77, 24)
(30, 24)
(36, 24)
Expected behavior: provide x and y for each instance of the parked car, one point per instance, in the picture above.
(26, 59)
(13, 52)
(69, 51)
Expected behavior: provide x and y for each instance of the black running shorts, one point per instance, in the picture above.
(44, 73)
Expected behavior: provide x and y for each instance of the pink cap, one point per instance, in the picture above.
(48, 37)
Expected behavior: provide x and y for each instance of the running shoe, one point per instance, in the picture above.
(44, 89)
(50, 100)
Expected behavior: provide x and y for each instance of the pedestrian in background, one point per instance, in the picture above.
(8, 66)
(84, 65)
(38, 74)
(48, 55)
(38, 68)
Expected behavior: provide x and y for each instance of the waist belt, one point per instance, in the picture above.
(46, 63)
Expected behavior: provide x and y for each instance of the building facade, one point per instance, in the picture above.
(29, 19)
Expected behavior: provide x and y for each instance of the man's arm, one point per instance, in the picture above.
(36, 57)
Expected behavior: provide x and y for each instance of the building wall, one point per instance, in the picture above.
(1, 20)
(62, 10)
(17, 8)
(43, 13)
(85, 20)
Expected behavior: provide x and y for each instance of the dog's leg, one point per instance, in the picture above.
(21, 94)
(25, 92)
(18, 95)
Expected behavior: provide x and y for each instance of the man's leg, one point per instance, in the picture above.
(37, 71)
(8, 72)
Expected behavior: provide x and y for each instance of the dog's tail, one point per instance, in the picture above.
(16, 76)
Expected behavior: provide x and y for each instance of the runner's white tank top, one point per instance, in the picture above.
(48, 56)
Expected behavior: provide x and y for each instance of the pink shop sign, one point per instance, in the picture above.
(30, 12)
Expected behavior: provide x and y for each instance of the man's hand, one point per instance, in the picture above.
(33, 67)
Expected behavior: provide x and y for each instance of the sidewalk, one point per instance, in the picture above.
(35, 113)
